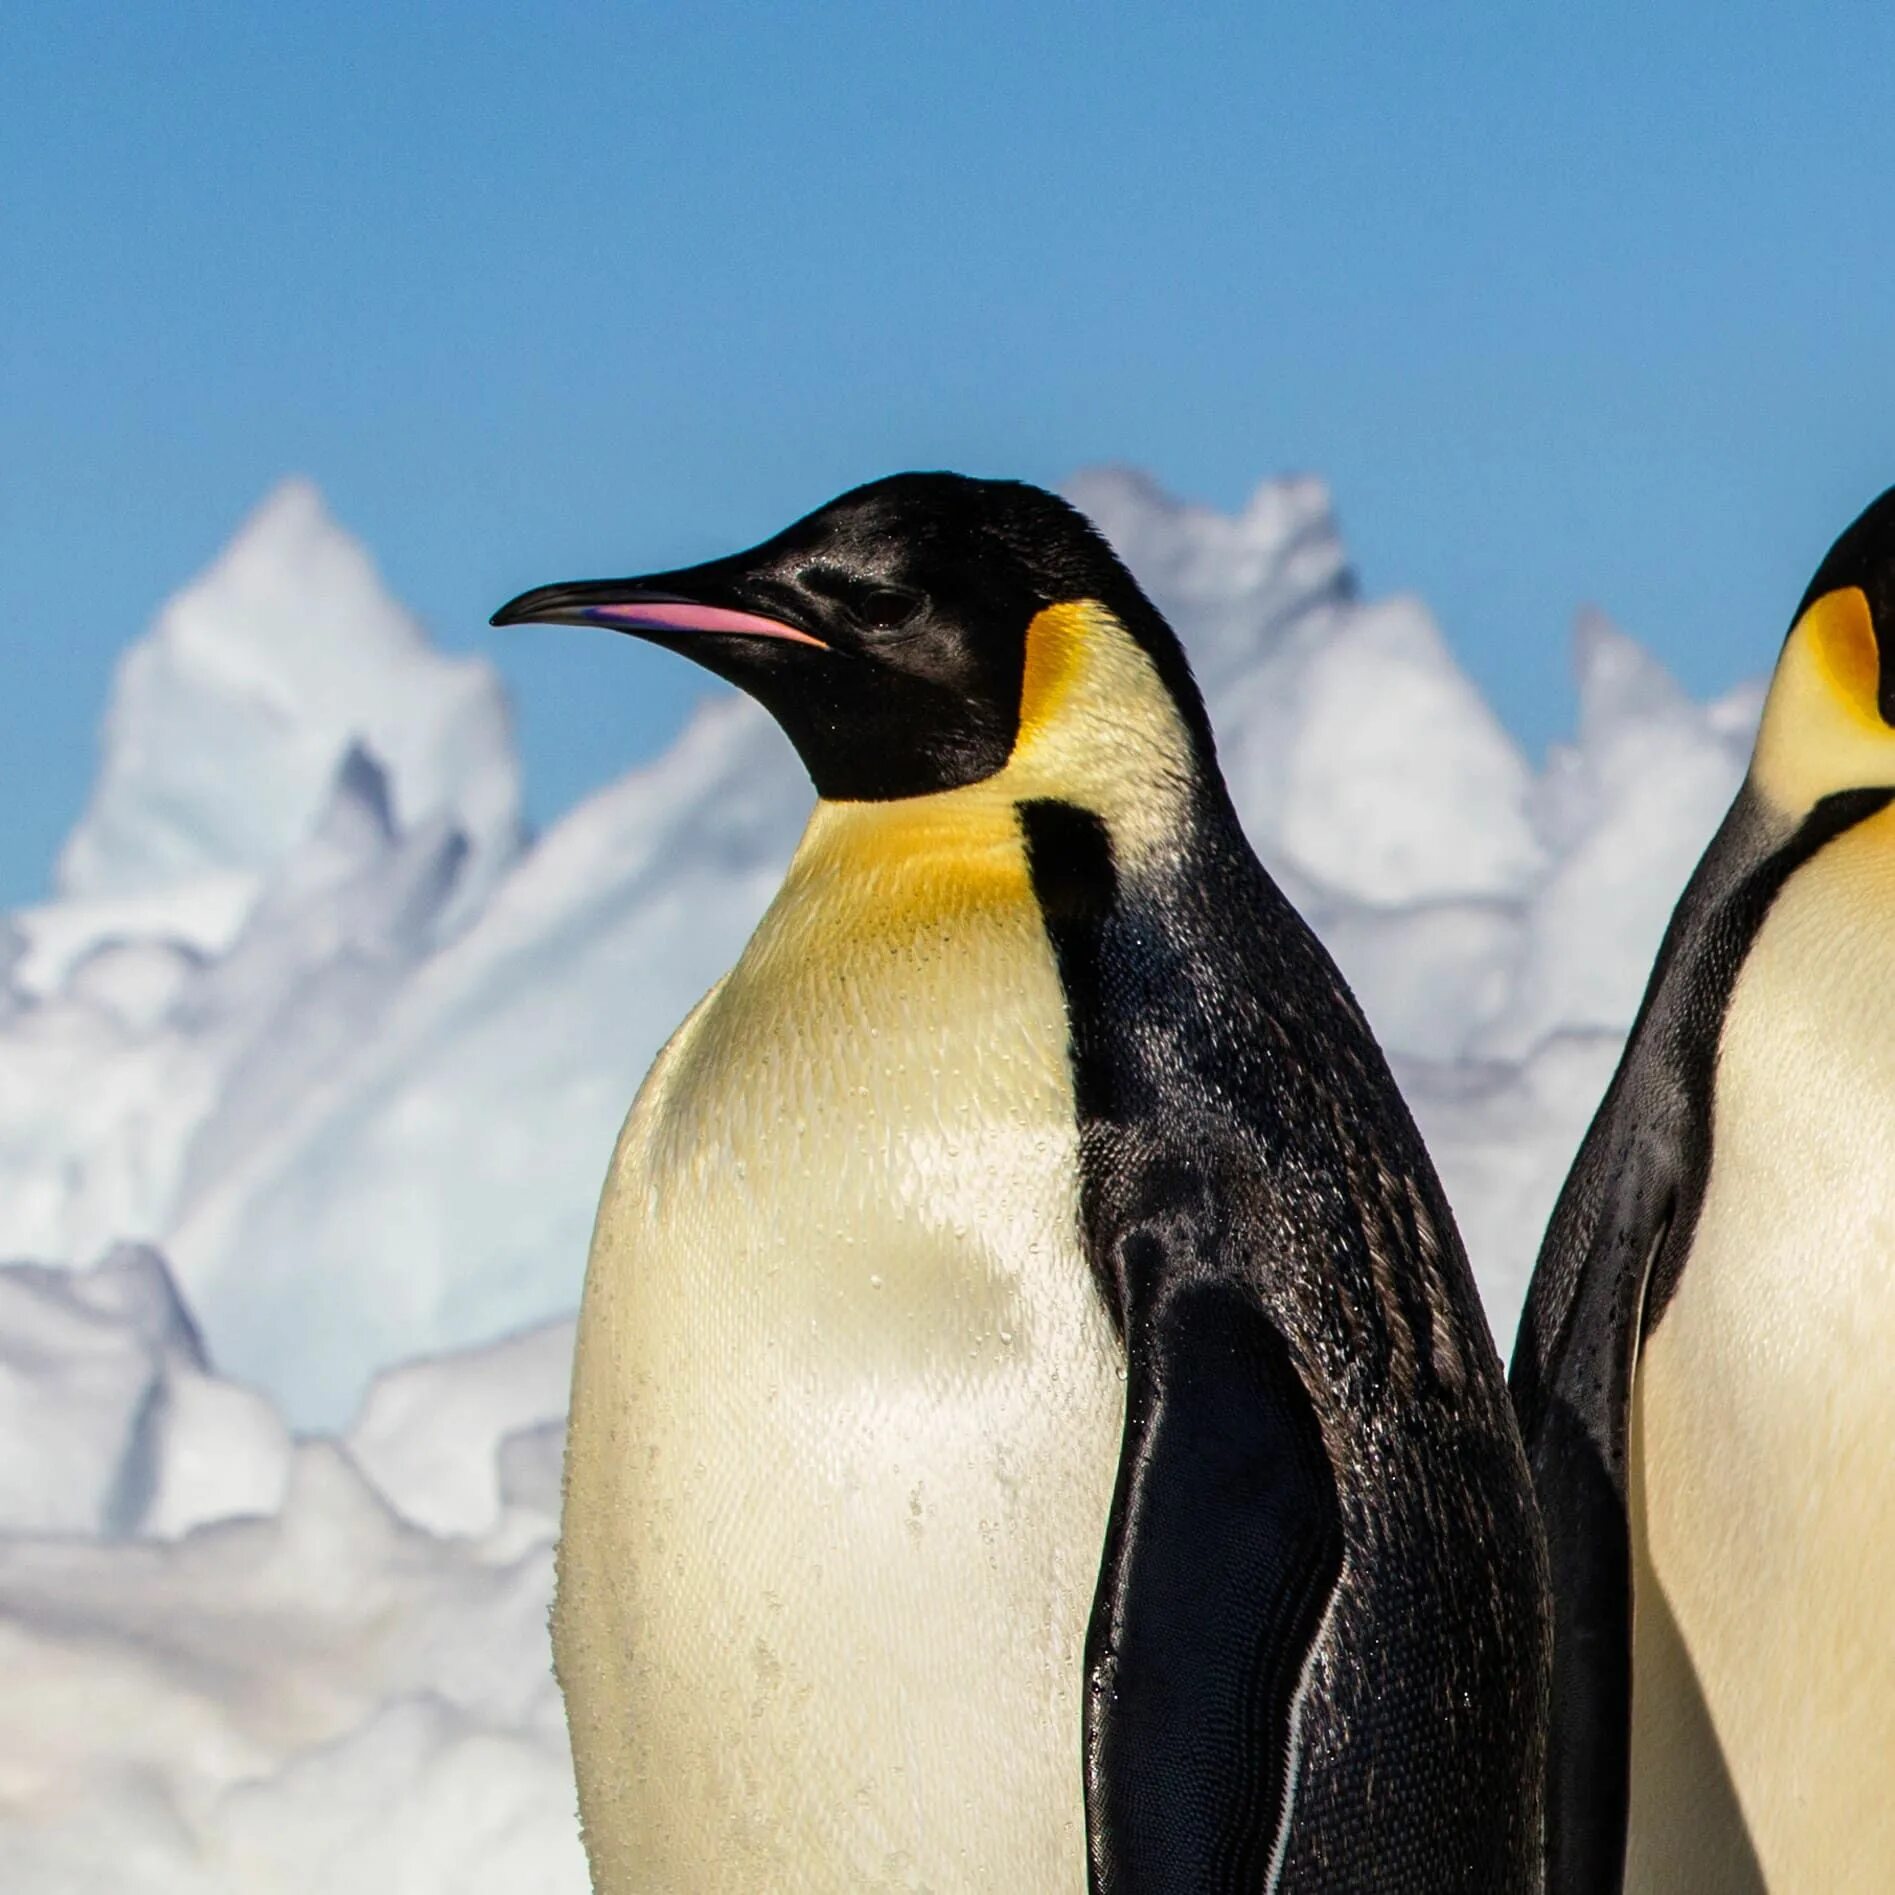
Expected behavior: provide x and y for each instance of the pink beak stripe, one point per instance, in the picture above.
(666, 616)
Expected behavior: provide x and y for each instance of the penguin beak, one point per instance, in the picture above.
(668, 607)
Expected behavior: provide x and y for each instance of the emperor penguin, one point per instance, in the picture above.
(1033, 1427)
(1705, 1373)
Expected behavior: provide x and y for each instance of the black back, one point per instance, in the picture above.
(1320, 1637)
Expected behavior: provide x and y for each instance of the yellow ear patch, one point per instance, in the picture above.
(1055, 651)
(1098, 729)
(1823, 729)
(1842, 638)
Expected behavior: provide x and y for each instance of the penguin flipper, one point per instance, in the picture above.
(1224, 1548)
(1571, 1382)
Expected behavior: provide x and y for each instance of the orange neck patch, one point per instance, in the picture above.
(1841, 637)
(1055, 650)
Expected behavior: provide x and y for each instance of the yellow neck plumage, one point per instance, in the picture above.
(1823, 729)
(1097, 729)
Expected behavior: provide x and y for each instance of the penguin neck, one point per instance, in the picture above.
(884, 870)
(1098, 731)
(1823, 731)
(1101, 731)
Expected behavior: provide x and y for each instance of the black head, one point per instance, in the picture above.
(887, 631)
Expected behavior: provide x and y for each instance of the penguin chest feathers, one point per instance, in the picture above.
(847, 1404)
(1765, 1402)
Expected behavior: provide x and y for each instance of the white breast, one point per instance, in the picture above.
(846, 1412)
(1764, 1448)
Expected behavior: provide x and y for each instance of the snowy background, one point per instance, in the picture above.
(310, 1070)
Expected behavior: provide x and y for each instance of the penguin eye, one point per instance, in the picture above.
(883, 608)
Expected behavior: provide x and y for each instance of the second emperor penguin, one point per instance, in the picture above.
(1704, 1368)
(1032, 1424)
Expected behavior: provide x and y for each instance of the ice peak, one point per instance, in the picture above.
(293, 507)
(1232, 583)
(1619, 680)
(232, 714)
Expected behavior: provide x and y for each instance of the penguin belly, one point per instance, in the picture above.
(847, 1407)
(1763, 1451)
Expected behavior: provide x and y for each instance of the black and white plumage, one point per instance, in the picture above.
(1702, 1374)
(1033, 1422)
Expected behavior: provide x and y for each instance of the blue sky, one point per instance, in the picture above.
(1568, 305)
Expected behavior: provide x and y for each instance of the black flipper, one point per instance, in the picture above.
(1613, 1255)
(1272, 1248)
(1224, 1547)
(1572, 1387)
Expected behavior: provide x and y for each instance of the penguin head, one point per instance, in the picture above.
(907, 634)
(1829, 721)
